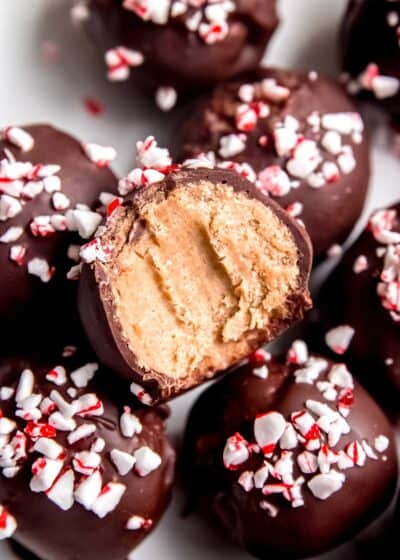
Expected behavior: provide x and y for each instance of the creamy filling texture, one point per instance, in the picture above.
(206, 266)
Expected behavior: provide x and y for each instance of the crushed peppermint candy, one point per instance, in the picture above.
(136, 522)
(18, 137)
(102, 156)
(210, 19)
(360, 264)
(315, 150)
(68, 475)
(383, 226)
(21, 183)
(8, 524)
(309, 438)
(130, 423)
(166, 98)
(141, 394)
(147, 461)
(381, 86)
(339, 338)
(119, 62)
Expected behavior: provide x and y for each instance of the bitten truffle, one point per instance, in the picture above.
(297, 137)
(169, 46)
(50, 185)
(189, 275)
(291, 458)
(360, 307)
(371, 51)
(83, 473)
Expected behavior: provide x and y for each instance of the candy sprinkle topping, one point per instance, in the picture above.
(310, 438)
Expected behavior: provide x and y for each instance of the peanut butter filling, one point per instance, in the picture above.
(209, 267)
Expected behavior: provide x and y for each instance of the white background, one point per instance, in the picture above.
(35, 90)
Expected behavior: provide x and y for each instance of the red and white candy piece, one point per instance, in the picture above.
(246, 481)
(151, 156)
(119, 62)
(141, 394)
(339, 338)
(166, 98)
(8, 524)
(12, 234)
(289, 439)
(124, 462)
(85, 222)
(136, 522)
(94, 250)
(231, 145)
(102, 156)
(45, 471)
(274, 180)
(298, 353)
(235, 452)
(17, 254)
(83, 431)
(156, 11)
(268, 429)
(109, 498)
(308, 428)
(307, 462)
(62, 491)
(41, 268)
(139, 178)
(49, 448)
(84, 374)
(360, 264)
(381, 443)
(19, 138)
(262, 372)
(147, 461)
(9, 207)
(356, 453)
(87, 491)
(324, 485)
(130, 423)
(86, 462)
(57, 375)
(25, 385)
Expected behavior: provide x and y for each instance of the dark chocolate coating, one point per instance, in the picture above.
(367, 38)
(51, 533)
(214, 117)
(24, 295)
(231, 406)
(352, 299)
(175, 56)
(94, 298)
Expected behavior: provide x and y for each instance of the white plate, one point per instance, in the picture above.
(32, 90)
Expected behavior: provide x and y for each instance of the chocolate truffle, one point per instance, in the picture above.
(371, 51)
(291, 458)
(297, 137)
(169, 46)
(360, 307)
(189, 275)
(49, 186)
(83, 474)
